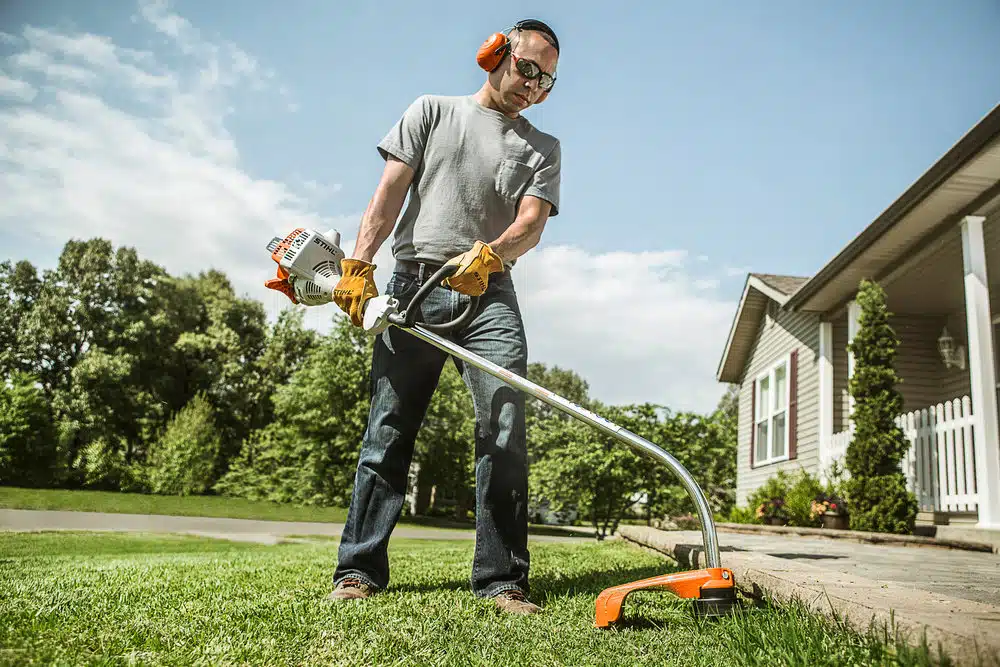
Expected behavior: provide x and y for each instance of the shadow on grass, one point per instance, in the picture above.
(533, 529)
(545, 587)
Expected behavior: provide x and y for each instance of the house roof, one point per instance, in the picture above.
(964, 181)
(757, 291)
(787, 285)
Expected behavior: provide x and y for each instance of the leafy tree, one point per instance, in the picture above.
(729, 404)
(706, 446)
(182, 462)
(20, 285)
(220, 354)
(97, 338)
(283, 352)
(101, 466)
(309, 452)
(28, 455)
(878, 499)
(586, 469)
(564, 382)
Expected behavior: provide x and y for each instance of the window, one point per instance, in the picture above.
(771, 414)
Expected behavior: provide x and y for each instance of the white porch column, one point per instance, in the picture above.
(825, 397)
(981, 372)
(853, 324)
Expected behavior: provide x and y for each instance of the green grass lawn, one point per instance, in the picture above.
(138, 503)
(73, 598)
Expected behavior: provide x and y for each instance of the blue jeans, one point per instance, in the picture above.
(404, 375)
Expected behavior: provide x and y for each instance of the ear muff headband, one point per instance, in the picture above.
(492, 51)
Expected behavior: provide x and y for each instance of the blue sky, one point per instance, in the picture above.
(719, 137)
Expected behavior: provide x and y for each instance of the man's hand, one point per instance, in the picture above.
(356, 286)
(474, 268)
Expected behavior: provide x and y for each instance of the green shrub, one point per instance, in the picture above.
(28, 453)
(799, 498)
(796, 491)
(877, 497)
(183, 460)
(102, 466)
(776, 486)
(742, 515)
(882, 505)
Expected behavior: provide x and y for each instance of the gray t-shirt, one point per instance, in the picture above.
(472, 166)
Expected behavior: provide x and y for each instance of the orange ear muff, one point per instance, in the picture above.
(492, 51)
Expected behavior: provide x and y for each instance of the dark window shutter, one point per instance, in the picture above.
(793, 396)
(753, 417)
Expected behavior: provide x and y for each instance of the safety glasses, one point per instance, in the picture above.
(529, 69)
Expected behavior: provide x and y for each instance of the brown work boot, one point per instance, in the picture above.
(351, 589)
(515, 602)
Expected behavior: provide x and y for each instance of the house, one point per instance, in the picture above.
(936, 253)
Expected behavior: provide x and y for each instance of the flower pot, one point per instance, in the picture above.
(835, 521)
(775, 521)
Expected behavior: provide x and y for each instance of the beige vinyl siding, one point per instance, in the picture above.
(924, 378)
(776, 338)
(955, 382)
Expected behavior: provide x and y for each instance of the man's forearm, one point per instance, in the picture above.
(374, 230)
(518, 239)
(383, 209)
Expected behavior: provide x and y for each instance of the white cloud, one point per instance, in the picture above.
(101, 140)
(109, 141)
(17, 89)
(637, 326)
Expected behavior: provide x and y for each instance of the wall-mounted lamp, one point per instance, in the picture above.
(951, 354)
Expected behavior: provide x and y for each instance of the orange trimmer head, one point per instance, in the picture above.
(712, 589)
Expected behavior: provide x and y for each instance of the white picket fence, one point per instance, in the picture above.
(838, 445)
(940, 465)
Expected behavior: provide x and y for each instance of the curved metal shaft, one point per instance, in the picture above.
(708, 531)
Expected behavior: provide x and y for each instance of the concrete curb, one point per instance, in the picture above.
(968, 632)
(859, 536)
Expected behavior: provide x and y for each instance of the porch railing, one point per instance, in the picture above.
(940, 465)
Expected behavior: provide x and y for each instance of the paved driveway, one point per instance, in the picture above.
(968, 575)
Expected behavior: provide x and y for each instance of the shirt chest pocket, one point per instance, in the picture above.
(512, 178)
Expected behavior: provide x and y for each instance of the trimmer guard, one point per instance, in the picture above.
(712, 589)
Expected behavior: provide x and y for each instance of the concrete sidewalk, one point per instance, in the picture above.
(268, 532)
(953, 596)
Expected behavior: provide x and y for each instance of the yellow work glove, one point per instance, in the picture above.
(474, 268)
(355, 287)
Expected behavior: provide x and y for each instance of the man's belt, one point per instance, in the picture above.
(422, 269)
(419, 269)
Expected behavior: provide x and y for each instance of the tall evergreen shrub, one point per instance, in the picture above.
(878, 499)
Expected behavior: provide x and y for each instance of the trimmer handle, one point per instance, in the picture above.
(407, 318)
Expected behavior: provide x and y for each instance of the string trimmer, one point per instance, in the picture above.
(309, 268)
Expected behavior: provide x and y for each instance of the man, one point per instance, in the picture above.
(482, 182)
